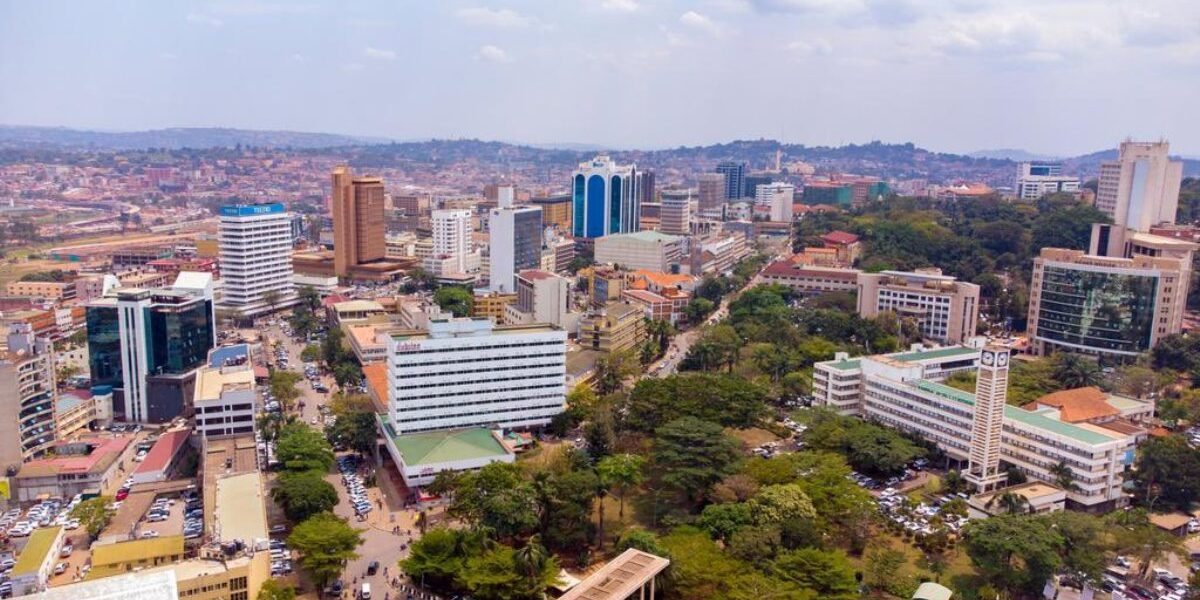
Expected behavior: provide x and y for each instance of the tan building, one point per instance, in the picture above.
(116, 558)
(26, 397)
(649, 250)
(358, 224)
(675, 215)
(556, 211)
(1104, 305)
(710, 191)
(1141, 188)
(619, 326)
(50, 290)
(808, 279)
(946, 310)
(492, 305)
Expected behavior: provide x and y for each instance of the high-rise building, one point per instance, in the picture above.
(675, 214)
(751, 183)
(946, 310)
(358, 220)
(1141, 188)
(452, 237)
(146, 344)
(646, 186)
(735, 178)
(987, 418)
(710, 190)
(471, 373)
(27, 411)
(778, 197)
(605, 198)
(556, 211)
(515, 240)
(1105, 305)
(256, 259)
(1036, 179)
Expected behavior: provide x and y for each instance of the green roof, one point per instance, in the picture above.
(33, 556)
(935, 353)
(1034, 419)
(845, 365)
(445, 446)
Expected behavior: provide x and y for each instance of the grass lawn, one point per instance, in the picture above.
(753, 437)
(959, 574)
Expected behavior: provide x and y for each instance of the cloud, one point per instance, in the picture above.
(625, 6)
(836, 7)
(503, 18)
(299, 58)
(201, 19)
(378, 53)
(247, 8)
(808, 48)
(702, 23)
(351, 67)
(493, 54)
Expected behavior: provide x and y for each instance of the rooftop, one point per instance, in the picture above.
(377, 384)
(620, 578)
(102, 455)
(358, 306)
(839, 237)
(240, 512)
(33, 556)
(536, 274)
(220, 356)
(118, 553)
(444, 446)
(211, 383)
(156, 585)
(164, 450)
(1077, 405)
(643, 236)
(935, 353)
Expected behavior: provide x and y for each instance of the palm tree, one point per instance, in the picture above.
(1010, 503)
(622, 471)
(1076, 371)
(531, 558)
(1064, 477)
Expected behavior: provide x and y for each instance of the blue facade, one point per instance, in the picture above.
(604, 199)
(614, 210)
(595, 207)
(577, 204)
(250, 210)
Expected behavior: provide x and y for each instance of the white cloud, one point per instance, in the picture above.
(836, 7)
(253, 8)
(807, 48)
(202, 19)
(503, 18)
(702, 23)
(625, 6)
(379, 53)
(351, 67)
(493, 54)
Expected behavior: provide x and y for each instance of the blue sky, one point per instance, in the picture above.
(1053, 76)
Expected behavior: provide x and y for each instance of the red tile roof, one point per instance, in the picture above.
(839, 237)
(535, 274)
(1078, 405)
(74, 463)
(164, 451)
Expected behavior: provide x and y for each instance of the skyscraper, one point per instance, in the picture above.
(711, 191)
(256, 258)
(452, 237)
(675, 217)
(358, 220)
(735, 178)
(515, 240)
(27, 396)
(605, 198)
(646, 186)
(1141, 187)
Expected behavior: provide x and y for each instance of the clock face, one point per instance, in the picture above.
(1002, 359)
(989, 358)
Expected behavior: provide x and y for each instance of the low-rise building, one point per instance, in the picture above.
(837, 383)
(74, 467)
(810, 280)
(492, 305)
(654, 306)
(225, 400)
(1036, 497)
(160, 462)
(357, 311)
(117, 557)
(421, 456)
(616, 327)
(631, 575)
(55, 291)
(36, 562)
(845, 244)
(649, 250)
(946, 310)
(542, 297)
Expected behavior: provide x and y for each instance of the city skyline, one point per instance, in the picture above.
(975, 75)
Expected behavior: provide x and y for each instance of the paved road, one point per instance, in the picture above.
(308, 396)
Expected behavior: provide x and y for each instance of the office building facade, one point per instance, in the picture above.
(465, 373)
(710, 191)
(605, 198)
(357, 204)
(452, 237)
(1036, 179)
(515, 241)
(1141, 188)
(778, 198)
(256, 259)
(946, 310)
(648, 250)
(735, 178)
(556, 212)
(675, 215)
(146, 344)
(27, 403)
(1107, 306)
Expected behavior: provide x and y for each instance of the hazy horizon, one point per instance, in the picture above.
(1062, 78)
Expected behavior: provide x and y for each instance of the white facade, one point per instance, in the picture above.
(893, 392)
(514, 240)
(648, 250)
(946, 310)
(1036, 179)
(256, 258)
(470, 373)
(777, 196)
(605, 199)
(1141, 187)
(452, 237)
(542, 297)
(225, 401)
(675, 215)
(837, 382)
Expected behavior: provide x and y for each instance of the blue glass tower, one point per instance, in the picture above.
(605, 198)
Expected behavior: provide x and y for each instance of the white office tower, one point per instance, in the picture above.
(1036, 179)
(1141, 188)
(256, 258)
(987, 421)
(465, 373)
(777, 196)
(675, 216)
(605, 198)
(514, 240)
(452, 237)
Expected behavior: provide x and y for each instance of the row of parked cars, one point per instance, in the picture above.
(917, 517)
(48, 513)
(281, 558)
(354, 486)
(193, 516)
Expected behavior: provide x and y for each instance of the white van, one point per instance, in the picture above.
(365, 594)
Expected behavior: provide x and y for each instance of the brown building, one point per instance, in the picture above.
(358, 223)
(711, 190)
(556, 211)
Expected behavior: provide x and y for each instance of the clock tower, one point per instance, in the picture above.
(991, 391)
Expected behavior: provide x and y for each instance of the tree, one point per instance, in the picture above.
(755, 545)
(621, 471)
(498, 574)
(325, 543)
(273, 590)
(690, 455)
(310, 353)
(698, 309)
(738, 487)
(304, 494)
(301, 448)
(455, 300)
(775, 504)
(827, 572)
(356, 431)
(94, 514)
(495, 497)
(1014, 553)
(283, 386)
(437, 557)
(1009, 502)
(1168, 472)
(721, 521)
(613, 369)
(643, 540)
(271, 298)
(1075, 371)
(1064, 477)
(881, 567)
(1136, 535)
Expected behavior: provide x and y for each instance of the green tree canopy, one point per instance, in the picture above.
(303, 494)
(325, 543)
(302, 448)
(690, 455)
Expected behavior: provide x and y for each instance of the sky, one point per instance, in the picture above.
(1058, 77)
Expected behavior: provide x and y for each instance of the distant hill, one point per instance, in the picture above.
(1013, 154)
(1088, 165)
(171, 138)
